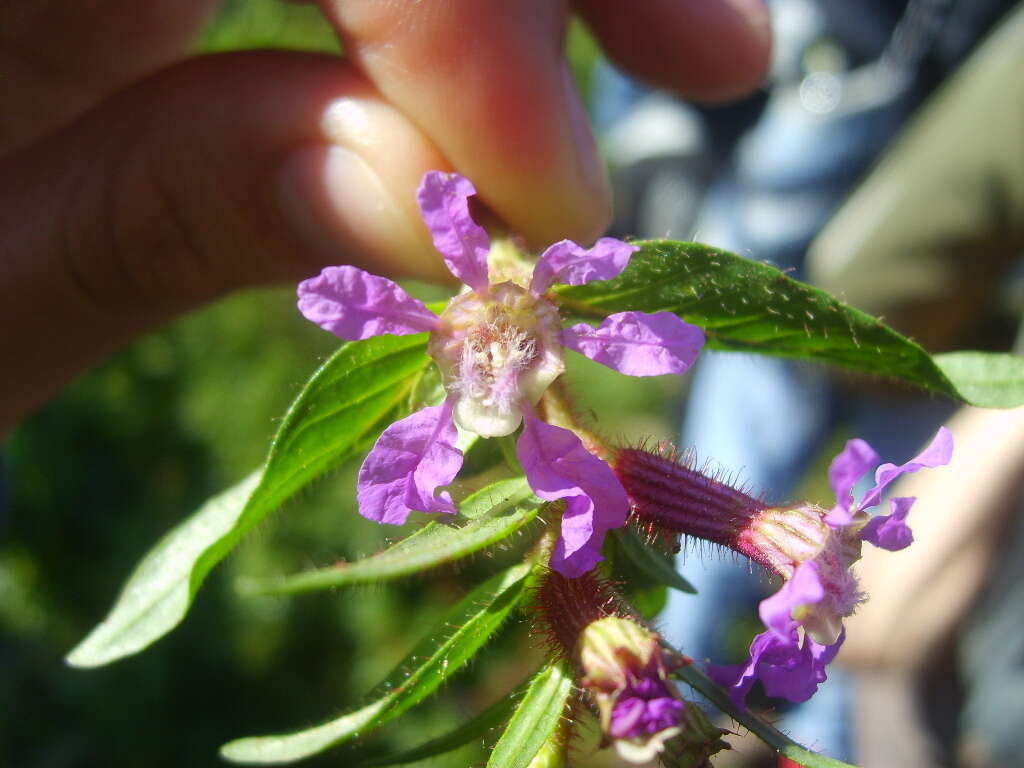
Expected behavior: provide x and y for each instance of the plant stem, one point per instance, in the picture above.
(770, 735)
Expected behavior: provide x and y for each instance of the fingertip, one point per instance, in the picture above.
(487, 83)
(708, 50)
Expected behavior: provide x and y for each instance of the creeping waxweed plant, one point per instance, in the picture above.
(462, 422)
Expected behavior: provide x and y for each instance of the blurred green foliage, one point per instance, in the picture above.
(94, 479)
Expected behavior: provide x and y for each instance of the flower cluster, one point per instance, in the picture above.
(811, 548)
(499, 345)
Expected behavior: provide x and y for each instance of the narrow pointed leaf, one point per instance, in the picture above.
(158, 593)
(494, 513)
(747, 306)
(476, 728)
(361, 389)
(651, 562)
(535, 722)
(454, 640)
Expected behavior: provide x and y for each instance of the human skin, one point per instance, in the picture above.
(137, 182)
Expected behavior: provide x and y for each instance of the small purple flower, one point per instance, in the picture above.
(814, 550)
(499, 345)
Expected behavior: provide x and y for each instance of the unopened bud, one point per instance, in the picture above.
(626, 672)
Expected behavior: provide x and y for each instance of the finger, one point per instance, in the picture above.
(487, 82)
(59, 59)
(705, 49)
(226, 171)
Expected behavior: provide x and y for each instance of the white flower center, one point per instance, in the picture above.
(496, 353)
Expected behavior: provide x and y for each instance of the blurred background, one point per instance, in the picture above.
(89, 483)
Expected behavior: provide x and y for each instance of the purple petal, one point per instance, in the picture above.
(444, 201)
(795, 674)
(353, 304)
(937, 454)
(559, 467)
(411, 459)
(638, 344)
(566, 262)
(784, 667)
(626, 719)
(803, 588)
(891, 531)
(847, 468)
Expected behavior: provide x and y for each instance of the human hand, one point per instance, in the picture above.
(136, 183)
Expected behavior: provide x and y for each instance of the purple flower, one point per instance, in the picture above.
(814, 549)
(854, 462)
(499, 345)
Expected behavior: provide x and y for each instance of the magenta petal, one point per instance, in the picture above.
(444, 201)
(937, 454)
(559, 467)
(803, 588)
(891, 531)
(353, 304)
(411, 459)
(566, 262)
(638, 344)
(846, 469)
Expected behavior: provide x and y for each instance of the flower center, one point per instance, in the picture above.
(493, 355)
(496, 352)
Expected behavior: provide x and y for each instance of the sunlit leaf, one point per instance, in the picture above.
(986, 378)
(494, 513)
(535, 722)
(361, 389)
(747, 306)
(454, 640)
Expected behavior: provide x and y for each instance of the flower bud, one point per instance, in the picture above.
(625, 670)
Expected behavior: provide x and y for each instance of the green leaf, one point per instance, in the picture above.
(986, 378)
(361, 389)
(454, 640)
(746, 306)
(495, 512)
(478, 727)
(650, 561)
(536, 720)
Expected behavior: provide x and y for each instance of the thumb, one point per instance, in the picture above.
(217, 173)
